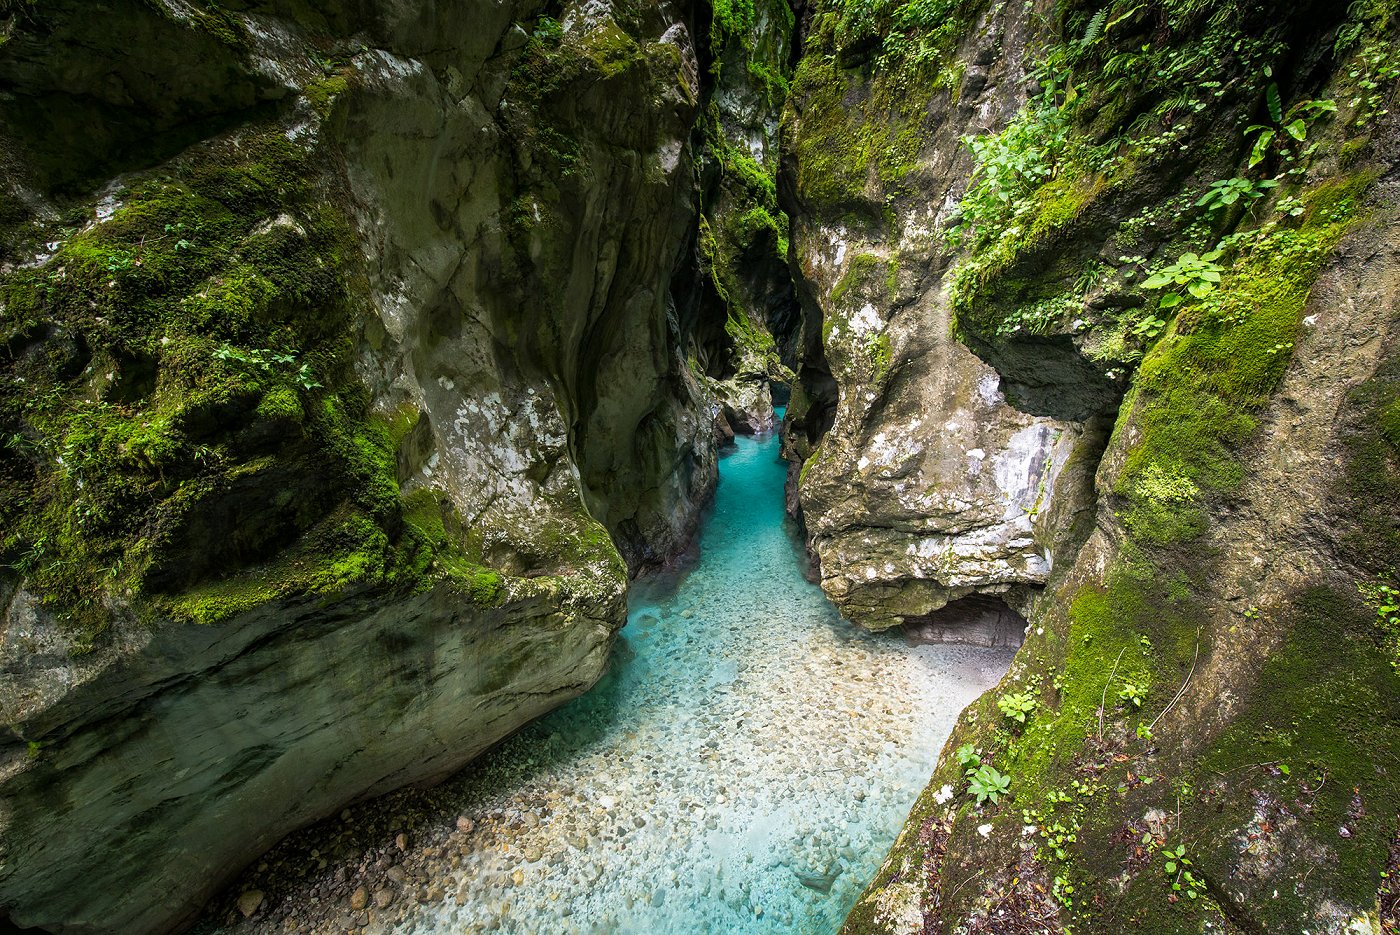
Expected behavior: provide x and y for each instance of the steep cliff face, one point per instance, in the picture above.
(928, 486)
(743, 235)
(1156, 285)
(337, 342)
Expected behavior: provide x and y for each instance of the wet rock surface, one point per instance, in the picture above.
(395, 325)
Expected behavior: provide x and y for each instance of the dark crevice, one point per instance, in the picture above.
(978, 620)
(9, 927)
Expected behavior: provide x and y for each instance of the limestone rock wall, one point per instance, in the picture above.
(927, 485)
(340, 351)
(744, 282)
(1136, 259)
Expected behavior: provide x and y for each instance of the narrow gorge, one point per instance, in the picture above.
(650, 466)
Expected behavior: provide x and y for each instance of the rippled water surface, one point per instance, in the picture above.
(741, 769)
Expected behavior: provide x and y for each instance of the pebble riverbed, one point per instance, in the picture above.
(742, 768)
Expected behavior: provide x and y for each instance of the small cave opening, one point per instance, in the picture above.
(975, 620)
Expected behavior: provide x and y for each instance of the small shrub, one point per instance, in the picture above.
(987, 784)
(1017, 706)
(1196, 275)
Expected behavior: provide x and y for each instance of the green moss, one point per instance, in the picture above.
(1324, 705)
(808, 464)
(611, 50)
(483, 585)
(553, 59)
(1139, 627)
(1369, 484)
(881, 354)
(1389, 423)
(224, 26)
(280, 403)
(1087, 761)
(323, 93)
(854, 132)
(860, 274)
(857, 133)
(188, 337)
(732, 18)
(1198, 389)
(989, 297)
(346, 550)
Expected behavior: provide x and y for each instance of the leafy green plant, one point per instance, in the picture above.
(548, 29)
(1017, 706)
(1011, 165)
(1132, 693)
(1196, 275)
(1177, 867)
(1227, 192)
(119, 261)
(267, 361)
(1385, 600)
(968, 759)
(987, 784)
(1058, 838)
(1378, 68)
(1149, 327)
(1292, 124)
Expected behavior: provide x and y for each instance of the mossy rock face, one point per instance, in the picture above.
(743, 282)
(317, 355)
(1213, 669)
(928, 485)
(76, 118)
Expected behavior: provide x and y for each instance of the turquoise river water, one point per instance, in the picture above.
(742, 768)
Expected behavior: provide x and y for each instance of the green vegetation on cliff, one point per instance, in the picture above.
(743, 235)
(1193, 755)
(860, 93)
(182, 428)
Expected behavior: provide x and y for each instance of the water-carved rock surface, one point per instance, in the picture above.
(927, 485)
(321, 415)
(740, 769)
(1189, 210)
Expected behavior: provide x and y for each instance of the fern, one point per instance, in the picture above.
(1275, 105)
(1095, 28)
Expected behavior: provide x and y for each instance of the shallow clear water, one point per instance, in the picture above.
(745, 737)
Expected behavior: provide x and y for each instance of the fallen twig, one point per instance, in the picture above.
(1104, 700)
(1182, 691)
(967, 881)
(1247, 766)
